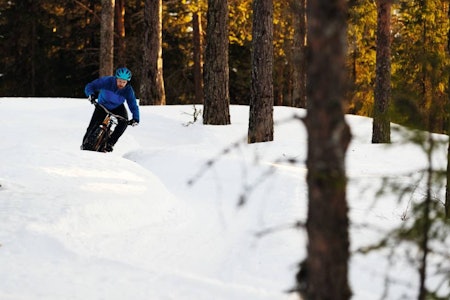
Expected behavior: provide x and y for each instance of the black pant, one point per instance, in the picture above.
(99, 115)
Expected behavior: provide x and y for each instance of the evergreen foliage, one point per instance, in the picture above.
(421, 240)
(51, 48)
(420, 63)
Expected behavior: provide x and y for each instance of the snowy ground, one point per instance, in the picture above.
(127, 225)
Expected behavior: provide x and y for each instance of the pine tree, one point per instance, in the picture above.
(381, 132)
(152, 81)
(328, 139)
(107, 39)
(261, 102)
(216, 109)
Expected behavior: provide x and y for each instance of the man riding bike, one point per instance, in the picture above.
(112, 92)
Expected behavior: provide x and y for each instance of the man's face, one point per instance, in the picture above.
(121, 83)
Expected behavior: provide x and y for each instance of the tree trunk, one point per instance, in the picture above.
(216, 110)
(328, 139)
(152, 81)
(34, 46)
(381, 131)
(107, 38)
(299, 74)
(260, 127)
(447, 190)
(198, 57)
(121, 44)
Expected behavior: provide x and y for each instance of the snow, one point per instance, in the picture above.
(159, 218)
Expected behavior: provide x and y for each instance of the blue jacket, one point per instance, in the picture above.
(110, 96)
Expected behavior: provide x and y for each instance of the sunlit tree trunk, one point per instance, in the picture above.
(447, 194)
(260, 128)
(152, 81)
(328, 138)
(381, 130)
(426, 74)
(107, 38)
(121, 44)
(198, 57)
(216, 109)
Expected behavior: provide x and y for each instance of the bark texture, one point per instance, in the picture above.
(381, 130)
(107, 39)
(121, 56)
(261, 100)
(152, 81)
(216, 110)
(198, 57)
(328, 139)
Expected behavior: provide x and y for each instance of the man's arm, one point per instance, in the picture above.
(132, 105)
(93, 87)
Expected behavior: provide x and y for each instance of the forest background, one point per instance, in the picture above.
(51, 48)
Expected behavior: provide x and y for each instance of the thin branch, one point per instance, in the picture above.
(88, 10)
(270, 230)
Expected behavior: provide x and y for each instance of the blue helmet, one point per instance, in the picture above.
(123, 73)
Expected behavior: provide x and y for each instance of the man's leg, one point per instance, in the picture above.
(121, 126)
(97, 118)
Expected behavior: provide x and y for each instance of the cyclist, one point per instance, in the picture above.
(112, 92)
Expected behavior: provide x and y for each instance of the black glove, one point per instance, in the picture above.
(92, 98)
(133, 122)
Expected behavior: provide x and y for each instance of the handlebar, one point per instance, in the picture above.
(112, 114)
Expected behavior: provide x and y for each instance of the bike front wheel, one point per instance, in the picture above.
(96, 141)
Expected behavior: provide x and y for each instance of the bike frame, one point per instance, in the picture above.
(100, 139)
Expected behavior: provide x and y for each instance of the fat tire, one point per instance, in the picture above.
(96, 141)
